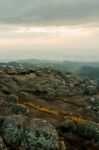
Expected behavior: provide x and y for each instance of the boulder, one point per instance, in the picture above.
(19, 109)
(28, 134)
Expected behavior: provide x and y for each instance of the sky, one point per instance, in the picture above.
(49, 29)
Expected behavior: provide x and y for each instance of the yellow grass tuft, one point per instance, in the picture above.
(77, 119)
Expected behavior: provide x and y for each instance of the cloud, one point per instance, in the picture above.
(52, 12)
(58, 31)
(50, 36)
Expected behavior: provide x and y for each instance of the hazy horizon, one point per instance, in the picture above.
(47, 29)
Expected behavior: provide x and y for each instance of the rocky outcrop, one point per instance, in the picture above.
(84, 132)
(46, 109)
(47, 82)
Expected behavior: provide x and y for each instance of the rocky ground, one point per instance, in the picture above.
(45, 109)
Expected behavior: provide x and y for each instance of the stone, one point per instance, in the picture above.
(19, 109)
(27, 134)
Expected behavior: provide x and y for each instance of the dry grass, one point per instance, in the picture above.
(43, 109)
(75, 118)
(54, 113)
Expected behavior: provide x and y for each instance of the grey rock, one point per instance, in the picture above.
(19, 109)
(94, 100)
(28, 134)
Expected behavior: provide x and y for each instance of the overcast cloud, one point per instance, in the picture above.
(40, 12)
(49, 29)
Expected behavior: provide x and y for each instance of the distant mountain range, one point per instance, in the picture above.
(87, 71)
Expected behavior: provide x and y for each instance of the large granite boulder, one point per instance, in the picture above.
(27, 134)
